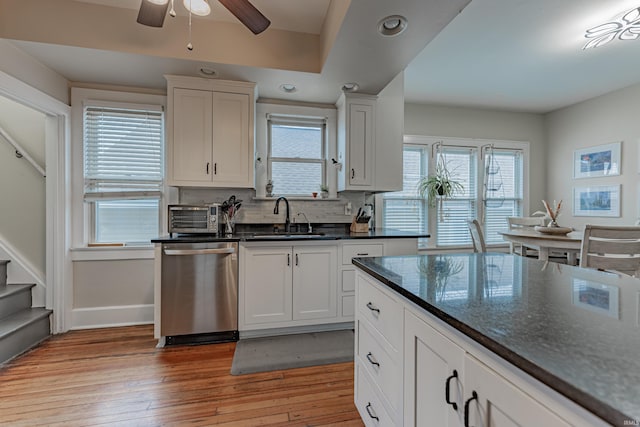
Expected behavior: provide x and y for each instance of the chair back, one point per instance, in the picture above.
(613, 248)
(516, 222)
(476, 236)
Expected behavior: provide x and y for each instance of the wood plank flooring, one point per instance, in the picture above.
(116, 376)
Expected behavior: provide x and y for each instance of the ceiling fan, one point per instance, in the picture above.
(152, 12)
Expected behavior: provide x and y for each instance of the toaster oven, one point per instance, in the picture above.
(189, 219)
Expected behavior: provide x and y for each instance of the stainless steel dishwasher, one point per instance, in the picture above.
(199, 292)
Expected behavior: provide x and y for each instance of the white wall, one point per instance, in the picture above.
(609, 118)
(431, 120)
(22, 187)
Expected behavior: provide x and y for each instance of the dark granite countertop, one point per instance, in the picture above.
(577, 330)
(266, 233)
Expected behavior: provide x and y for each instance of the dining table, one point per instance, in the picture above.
(546, 243)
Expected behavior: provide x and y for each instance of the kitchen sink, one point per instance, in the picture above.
(288, 235)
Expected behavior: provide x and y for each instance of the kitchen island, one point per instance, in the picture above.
(562, 340)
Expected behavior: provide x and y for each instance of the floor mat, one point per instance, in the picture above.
(292, 351)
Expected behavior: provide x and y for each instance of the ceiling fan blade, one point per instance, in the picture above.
(247, 14)
(152, 14)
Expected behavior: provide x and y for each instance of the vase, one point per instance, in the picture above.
(324, 194)
(229, 224)
(553, 223)
(269, 188)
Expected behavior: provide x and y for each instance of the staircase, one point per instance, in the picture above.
(21, 326)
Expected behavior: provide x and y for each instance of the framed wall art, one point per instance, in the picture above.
(601, 160)
(597, 200)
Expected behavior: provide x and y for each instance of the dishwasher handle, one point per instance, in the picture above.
(199, 251)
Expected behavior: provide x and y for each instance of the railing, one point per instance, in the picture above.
(21, 153)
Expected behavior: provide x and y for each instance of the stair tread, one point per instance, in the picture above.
(11, 289)
(24, 317)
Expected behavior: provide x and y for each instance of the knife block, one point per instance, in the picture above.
(359, 227)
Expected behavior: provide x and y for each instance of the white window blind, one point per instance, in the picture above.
(296, 161)
(504, 187)
(406, 210)
(123, 170)
(453, 212)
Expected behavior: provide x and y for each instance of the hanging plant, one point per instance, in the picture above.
(439, 185)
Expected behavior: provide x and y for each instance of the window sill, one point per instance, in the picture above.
(111, 253)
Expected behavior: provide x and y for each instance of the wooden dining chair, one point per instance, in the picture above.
(611, 248)
(523, 222)
(477, 237)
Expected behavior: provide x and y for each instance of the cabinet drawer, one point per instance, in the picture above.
(381, 366)
(353, 251)
(348, 305)
(383, 312)
(368, 403)
(348, 280)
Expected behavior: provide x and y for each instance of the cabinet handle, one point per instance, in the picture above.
(208, 164)
(372, 360)
(288, 259)
(474, 396)
(371, 307)
(215, 169)
(369, 408)
(447, 391)
(296, 259)
(353, 173)
(363, 254)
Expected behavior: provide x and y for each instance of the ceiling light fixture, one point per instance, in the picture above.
(626, 27)
(350, 87)
(392, 25)
(197, 7)
(288, 88)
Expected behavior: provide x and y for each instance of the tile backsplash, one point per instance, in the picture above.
(260, 211)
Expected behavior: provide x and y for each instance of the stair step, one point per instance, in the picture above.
(22, 331)
(14, 298)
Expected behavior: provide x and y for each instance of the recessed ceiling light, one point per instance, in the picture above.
(288, 88)
(392, 25)
(350, 87)
(208, 72)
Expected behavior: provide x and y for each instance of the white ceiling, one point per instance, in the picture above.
(511, 55)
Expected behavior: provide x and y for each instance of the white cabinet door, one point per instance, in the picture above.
(232, 148)
(315, 282)
(191, 154)
(361, 145)
(492, 401)
(433, 392)
(268, 284)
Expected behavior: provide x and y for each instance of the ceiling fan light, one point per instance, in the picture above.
(197, 7)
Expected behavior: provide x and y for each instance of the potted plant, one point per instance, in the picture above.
(438, 185)
(324, 191)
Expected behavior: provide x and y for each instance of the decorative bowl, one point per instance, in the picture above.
(553, 230)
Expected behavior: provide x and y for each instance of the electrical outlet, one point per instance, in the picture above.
(347, 209)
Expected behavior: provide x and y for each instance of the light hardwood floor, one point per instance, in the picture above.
(116, 376)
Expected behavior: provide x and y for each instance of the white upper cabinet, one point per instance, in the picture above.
(210, 132)
(370, 136)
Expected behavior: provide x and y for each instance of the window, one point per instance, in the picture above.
(123, 174)
(493, 181)
(406, 210)
(296, 161)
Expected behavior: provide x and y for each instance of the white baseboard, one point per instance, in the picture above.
(107, 317)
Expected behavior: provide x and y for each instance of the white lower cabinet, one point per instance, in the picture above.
(285, 286)
(438, 377)
(433, 376)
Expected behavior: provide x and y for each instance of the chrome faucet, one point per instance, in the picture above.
(309, 229)
(287, 221)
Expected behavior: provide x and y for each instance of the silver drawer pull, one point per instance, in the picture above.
(369, 409)
(371, 307)
(363, 254)
(372, 360)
